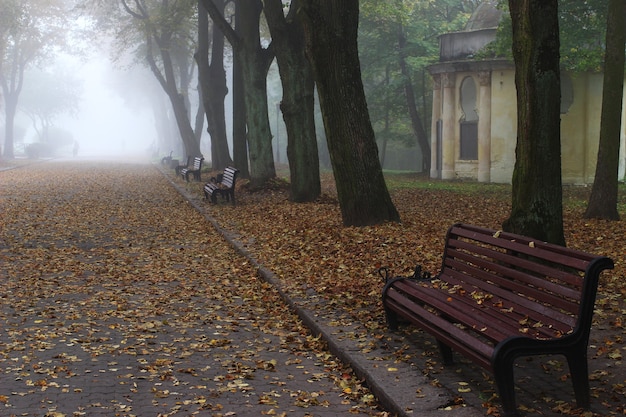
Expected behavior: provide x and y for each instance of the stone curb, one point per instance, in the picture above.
(399, 387)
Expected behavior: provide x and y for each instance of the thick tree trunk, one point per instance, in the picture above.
(192, 147)
(254, 63)
(603, 199)
(537, 209)
(240, 131)
(213, 84)
(298, 101)
(200, 116)
(9, 127)
(331, 43)
(219, 90)
(11, 90)
(167, 79)
(163, 126)
(254, 66)
(240, 135)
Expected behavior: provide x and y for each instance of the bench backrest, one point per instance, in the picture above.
(551, 288)
(229, 177)
(197, 162)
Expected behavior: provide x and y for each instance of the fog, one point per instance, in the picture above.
(108, 124)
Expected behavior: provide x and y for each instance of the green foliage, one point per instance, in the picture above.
(420, 22)
(582, 25)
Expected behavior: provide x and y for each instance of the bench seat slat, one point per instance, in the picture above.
(522, 307)
(486, 319)
(443, 329)
(195, 169)
(455, 308)
(225, 186)
(499, 296)
(531, 297)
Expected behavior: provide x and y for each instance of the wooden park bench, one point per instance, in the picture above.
(223, 184)
(195, 169)
(180, 167)
(166, 159)
(500, 296)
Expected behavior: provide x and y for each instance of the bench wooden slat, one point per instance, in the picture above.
(568, 275)
(456, 308)
(441, 328)
(500, 296)
(486, 319)
(225, 186)
(554, 253)
(195, 169)
(520, 305)
(509, 287)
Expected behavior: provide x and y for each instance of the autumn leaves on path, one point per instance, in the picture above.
(118, 298)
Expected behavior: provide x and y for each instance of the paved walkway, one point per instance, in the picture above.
(119, 299)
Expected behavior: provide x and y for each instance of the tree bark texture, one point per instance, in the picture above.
(240, 135)
(331, 44)
(537, 209)
(213, 86)
(603, 199)
(11, 89)
(167, 79)
(10, 102)
(254, 66)
(254, 63)
(298, 102)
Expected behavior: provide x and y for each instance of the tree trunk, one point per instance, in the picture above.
(219, 90)
(240, 135)
(298, 101)
(240, 130)
(603, 200)
(254, 64)
(11, 89)
(409, 93)
(167, 80)
(10, 101)
(192, 147)
(213, 84)
(331, 43)
(200, 116)
(537, 209)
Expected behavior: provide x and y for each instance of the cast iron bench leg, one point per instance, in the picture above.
(446, 353)
(579, 370)
(505, 383)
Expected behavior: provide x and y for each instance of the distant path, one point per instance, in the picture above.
(118, 298)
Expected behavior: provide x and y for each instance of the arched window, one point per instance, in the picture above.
(469, 123)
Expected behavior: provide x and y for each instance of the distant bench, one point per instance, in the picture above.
(223, 184)
(195, 169)
(500, 296)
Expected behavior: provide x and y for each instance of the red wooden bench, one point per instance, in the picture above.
(500, 296)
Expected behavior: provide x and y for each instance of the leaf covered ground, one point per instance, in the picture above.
(117, 298)
(309, 249)
(108, 299)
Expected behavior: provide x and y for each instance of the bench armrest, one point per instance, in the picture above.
(418, 274)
